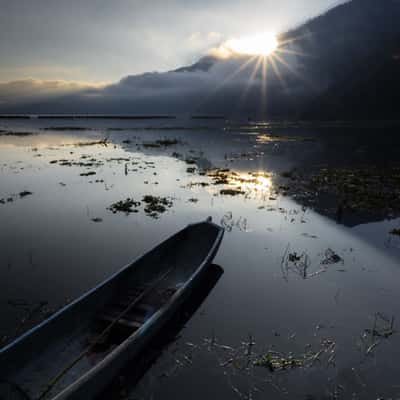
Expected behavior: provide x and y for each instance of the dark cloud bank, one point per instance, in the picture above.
(322, 66)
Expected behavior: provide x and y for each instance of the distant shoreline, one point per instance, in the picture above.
(83, 116)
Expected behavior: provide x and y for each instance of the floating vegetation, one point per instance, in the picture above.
(168, 142)
(191, 170)
(97, 220)
(156, 205)
(118, 159)
(300, 264)
(11, 198)
(25, 193)
(252, 184)
(221, 176)
(244, 155)
(67, 163)
(200, 184)
(153, 205)
(271, 138)
(268, 138)
(176, 155)
(126, 206)
(276, 362)
(191, 161)
(309, 236)
(90, 173)
(102, 142)
(151, 145)
(243, 363)
(331, 258)
(229, 223)
(294, 262)
(340, 192)
(231, 192)
(162, 143)
(395, 232)
(382, 328)
(7, 200)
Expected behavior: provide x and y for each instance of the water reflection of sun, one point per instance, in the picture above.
(252, 185)
(260, 182)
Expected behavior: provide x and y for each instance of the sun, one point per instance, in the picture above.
(261, 44)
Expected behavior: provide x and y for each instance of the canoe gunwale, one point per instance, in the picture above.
(176, 299)
(86, 294)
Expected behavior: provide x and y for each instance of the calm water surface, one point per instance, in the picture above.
(62, 239)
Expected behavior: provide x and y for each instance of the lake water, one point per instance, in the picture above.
(295, 282)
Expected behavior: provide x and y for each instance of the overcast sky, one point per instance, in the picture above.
(103, 40)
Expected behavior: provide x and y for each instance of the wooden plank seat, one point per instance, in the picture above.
(110, 317)
(127, 298)
(135, 317)
(132, 318)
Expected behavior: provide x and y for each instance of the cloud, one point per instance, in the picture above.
(104, 40)
(212, 85)
(24, 90)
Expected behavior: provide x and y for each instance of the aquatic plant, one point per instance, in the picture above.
(359, 191)
(166, 142)
(25, 193)
(275, 362)
(88, 173)
(231, 192)
(156, 205)
(331, 258)
(127, 206)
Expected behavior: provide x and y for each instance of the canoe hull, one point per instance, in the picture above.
(99, 377)
(30, 345)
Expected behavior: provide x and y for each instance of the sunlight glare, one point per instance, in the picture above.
(262, 44)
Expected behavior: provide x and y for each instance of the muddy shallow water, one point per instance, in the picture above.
(295, 282)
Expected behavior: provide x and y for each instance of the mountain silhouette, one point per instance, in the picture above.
(354, 50)
(340, 65)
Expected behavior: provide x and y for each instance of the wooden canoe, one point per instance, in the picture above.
(75, 353)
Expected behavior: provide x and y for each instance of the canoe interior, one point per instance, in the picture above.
(138, 292)
(136, 368)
